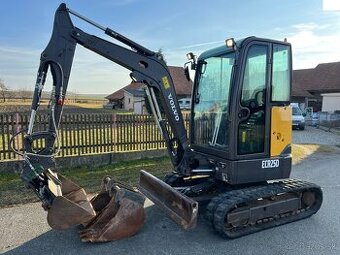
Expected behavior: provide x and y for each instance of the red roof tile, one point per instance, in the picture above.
(119, 94)
(324, 78)
(183, 87)
(301, 79)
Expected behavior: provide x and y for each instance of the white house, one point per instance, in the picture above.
(131, 97)
(134, 99)
(330, 102)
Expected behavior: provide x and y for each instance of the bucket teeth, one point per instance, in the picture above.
(117, 212)
(116, 221)
(122, 217)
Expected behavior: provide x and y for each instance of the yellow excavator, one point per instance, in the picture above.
(235, 164)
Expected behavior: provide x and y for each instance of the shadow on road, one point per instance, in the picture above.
(161, 236)
(158, 236)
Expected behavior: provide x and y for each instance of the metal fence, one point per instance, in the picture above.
(83, 134)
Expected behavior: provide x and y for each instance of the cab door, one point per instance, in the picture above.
(262, 124)
(253, 108)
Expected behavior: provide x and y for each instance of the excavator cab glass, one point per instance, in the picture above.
(211, 101)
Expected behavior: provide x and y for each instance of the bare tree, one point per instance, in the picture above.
(3, 90)
(24, 94)
(161, 54)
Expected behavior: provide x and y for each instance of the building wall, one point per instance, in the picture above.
(128, 101)
(331, 102)
(132, 103)
(138, 105)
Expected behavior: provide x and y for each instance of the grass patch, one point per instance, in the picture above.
(13, 191)
(302, 151)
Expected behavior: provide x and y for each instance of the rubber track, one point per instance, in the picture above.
(220, 205)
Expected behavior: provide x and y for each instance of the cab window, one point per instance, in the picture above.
(251, 131)
(281, 73)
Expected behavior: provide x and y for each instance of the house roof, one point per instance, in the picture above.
(136, 92)
(324, 78)
(119, 94)
(301, 79)
(183, 87)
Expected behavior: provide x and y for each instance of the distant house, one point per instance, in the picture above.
(134, 100)
(131, 97)
(318, 87)
(117, 98)
(331, 102)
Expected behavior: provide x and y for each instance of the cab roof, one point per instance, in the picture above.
(220, 50)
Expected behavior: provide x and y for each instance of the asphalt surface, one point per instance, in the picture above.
(24, 229)
(316, 136)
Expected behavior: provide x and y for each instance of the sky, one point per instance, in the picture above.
(177, 27)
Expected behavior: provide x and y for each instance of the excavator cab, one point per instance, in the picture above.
(240, 112)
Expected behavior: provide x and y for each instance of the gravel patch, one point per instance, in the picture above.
(315, 136)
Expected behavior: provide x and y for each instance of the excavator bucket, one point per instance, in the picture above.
(70, 206)
(182, 209)
(115, 213)
(120, 213)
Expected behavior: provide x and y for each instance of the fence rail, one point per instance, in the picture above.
(84, 134)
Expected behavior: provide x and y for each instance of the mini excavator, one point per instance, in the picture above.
(236, 162)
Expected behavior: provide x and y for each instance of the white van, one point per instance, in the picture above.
(184, 103)
(298, 119)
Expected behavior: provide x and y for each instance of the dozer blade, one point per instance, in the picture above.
(182, 209)
(121, 217)
(70, 206)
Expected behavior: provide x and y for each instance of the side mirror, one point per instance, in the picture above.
(191, 56)
(192, 60)
(187, 73)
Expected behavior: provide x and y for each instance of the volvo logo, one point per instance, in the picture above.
(173, 107)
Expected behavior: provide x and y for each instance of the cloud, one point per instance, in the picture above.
(198, 45)
(309, 26)
(331, 5)
(18, 66)
(90, 73)
(314, 43)
(119, 3)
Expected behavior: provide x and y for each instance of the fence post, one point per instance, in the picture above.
(17, 129)
(114, 132)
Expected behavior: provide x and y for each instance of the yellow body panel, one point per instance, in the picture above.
(281, 129)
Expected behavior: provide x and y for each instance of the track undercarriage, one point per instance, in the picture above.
(237, 212)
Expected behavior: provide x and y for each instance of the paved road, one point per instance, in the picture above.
(315, 135)
(24, 229)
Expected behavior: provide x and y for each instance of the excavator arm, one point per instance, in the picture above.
(117, 211)
(146, 67)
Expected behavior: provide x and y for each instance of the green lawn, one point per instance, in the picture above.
(13, 191)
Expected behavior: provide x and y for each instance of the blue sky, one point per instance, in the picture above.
(176, 27)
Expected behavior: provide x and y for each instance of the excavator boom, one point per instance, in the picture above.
(114, 213)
